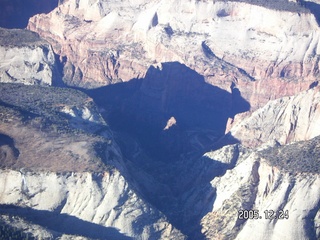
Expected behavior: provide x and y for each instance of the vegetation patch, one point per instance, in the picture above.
(19, 38)
(298, 157)
(45, 137)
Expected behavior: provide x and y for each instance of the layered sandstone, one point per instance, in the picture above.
(60, 162)
(102, 203)
(226, 42)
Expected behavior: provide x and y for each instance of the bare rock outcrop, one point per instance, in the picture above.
(103, 204)
(284, 120)
(26, 58)
(227, 42)
(182, 69)
(255, 183)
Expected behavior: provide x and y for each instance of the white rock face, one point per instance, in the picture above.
(28, 61)
(255, 185)
(26, 65)
(68, 171)
(285, 120)
(262, 41)
(103, 42)
(102, 198)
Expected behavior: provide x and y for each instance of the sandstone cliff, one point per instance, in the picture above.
(227, 42)
(188, 65)
(62, 171)
(26, 58)
(93, 205)
(284, 120)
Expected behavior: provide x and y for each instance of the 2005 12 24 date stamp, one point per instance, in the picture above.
(267, 214)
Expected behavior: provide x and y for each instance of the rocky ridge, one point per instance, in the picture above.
(65, 167)
(255, 183)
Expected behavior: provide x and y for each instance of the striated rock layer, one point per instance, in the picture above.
(227, 42)
(59, 160)
(104, 199)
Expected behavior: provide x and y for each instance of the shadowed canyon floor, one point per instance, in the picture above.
(143, 107)
(138, 111)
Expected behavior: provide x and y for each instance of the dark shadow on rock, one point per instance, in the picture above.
(63, 223)
(6, 140)
(142, 107)
(314, 9)
(314, 84)
(239, 105)
(8, 152)
(16, 13)
(57, 80)
(172, 154)
(194, 191)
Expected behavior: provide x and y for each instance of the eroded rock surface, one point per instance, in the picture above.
(64, 168)
(94, 205)
(256, 183)
(193, 66)
(26, 58)
(227, 42)
(284, 120)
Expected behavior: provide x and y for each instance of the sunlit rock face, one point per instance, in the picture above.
(171, 78)
(255, 184)
(102, 203)
(103, 42)
(284, 120)
(26, 58)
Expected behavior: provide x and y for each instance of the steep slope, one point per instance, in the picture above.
(26, 58)
(142, 107)
(172, 73)
(58, 173)
(284, 120)
(204, 194)
(281, 174)
(273, 189)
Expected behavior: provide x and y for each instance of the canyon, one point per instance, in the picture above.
(160, 119)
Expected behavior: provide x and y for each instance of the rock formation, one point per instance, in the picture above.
(255, 184)
(284, 120)
(191, 119)
(54, 167)
(26, 58)
(101, 43)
